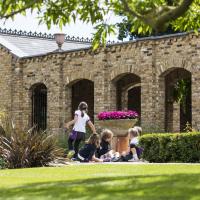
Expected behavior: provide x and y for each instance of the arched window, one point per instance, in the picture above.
(39, 106)
(128, 92)
(177, 112)
(83, 90)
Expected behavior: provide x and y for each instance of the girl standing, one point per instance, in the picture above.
(81, 119)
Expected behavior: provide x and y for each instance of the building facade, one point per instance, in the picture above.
(45, 88)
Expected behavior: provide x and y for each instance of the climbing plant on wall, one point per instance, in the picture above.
(182, 89)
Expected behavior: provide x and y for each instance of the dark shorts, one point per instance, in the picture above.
(139, 150)
(76, 135)
(127, 157)
(101, 152)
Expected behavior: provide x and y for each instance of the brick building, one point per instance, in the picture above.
(42, 86)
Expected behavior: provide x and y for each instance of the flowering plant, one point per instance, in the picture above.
(109, 115)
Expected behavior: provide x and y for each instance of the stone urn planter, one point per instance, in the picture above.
(119, 127)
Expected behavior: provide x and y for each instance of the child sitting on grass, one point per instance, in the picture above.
(135, 151)
(104, 151)
(87, 152)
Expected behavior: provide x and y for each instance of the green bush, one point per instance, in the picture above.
(61, 139)
(2, 163)
(26, 148)
(166, 147)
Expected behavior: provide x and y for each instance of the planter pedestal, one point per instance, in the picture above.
(119, 128)
(120, 143)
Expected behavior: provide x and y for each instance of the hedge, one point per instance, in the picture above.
(168, 147)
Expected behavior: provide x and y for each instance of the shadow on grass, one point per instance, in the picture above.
(175, 187)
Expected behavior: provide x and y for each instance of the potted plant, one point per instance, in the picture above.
(118, 121)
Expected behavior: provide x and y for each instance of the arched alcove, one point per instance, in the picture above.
(81, 90)
(39, 106)
(134, 99)
(177, 82)
(128, 92)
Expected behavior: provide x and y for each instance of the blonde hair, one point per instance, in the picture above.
(139, 129)
(106, 134)
(133, 131)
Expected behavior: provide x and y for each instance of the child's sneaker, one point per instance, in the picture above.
(74, 159)
(107, 160)
(116, 159)
(133, 160)
(70, 154)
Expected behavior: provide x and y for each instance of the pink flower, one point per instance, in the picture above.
(106, 115)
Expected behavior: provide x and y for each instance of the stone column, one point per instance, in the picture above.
(124, 99)
(6, 66)
(112, 96)
(196, 99)
(147, 112)
(160, 104)
(176, 117)
(17, 95)
(68, 104)
(104, 89)
(55, 95)
(99, 94)
(169, 111)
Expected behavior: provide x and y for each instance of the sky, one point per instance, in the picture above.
(30, 23)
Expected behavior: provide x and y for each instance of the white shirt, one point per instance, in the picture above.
(134, 141)
(81, 122)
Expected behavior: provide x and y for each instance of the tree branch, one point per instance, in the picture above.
(174, 13)
(130, 11)
(30, 5)
(158, 17)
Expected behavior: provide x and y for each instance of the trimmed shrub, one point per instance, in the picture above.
(166, 147)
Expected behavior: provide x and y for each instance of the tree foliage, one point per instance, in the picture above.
(146, 16)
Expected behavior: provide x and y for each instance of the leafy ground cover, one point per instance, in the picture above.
(102, 182)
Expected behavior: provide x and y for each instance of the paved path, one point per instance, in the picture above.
(64, 163)
(133, 163)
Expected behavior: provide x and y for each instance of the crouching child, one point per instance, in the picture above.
(87, 152)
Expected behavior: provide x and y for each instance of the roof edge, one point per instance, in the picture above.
(111, 44)
(42, 35)
(9, 51)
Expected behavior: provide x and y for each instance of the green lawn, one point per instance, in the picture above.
(101, 182)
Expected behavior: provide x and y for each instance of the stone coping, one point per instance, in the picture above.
(118, 43)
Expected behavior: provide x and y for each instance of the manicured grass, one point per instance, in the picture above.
(102, 182)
